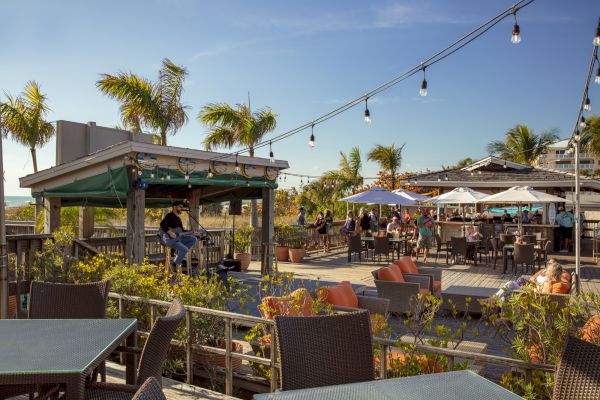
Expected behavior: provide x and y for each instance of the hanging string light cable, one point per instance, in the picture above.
(433, 59)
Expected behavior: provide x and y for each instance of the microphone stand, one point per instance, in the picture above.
(208, 234)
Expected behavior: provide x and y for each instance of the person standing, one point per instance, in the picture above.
(426, 229)
(365, 221)
(171, 233)
(565, 221)
(321, 227)
(329, 230)
(301, 219)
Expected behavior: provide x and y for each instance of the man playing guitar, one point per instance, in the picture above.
(173, 236)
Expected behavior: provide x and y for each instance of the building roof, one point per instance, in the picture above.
(494, 172)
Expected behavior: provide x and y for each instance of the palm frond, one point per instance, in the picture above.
(220, 136)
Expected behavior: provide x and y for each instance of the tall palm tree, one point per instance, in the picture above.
(348, 177)
(522, 145)
(590, 136)
(389, 159)
(236, 126)
(23, 118)
(152, 105)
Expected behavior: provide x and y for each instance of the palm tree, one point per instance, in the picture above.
(348, 177)
(590, 135)
(522, 145)
(152, 105)
(236, 126)
(23, 118)
(389, 159)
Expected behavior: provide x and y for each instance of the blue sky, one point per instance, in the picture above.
(305, 58)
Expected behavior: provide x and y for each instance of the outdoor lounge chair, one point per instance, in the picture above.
(151, 360)
(407, 266)
(578, 372)
(403, 295)
(150, 390)
(325, 350)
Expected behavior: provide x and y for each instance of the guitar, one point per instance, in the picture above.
(164, 236)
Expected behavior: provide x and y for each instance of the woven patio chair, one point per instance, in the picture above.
(403, 296)
(325, 350)
(68, 301)
(150, 390)
(381, 247)
(578, 372)
(441, 246)
(355, 246)
(458, 249)
(151, 360)
(524, 254)
(495, 242)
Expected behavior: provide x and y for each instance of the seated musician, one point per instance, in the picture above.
(171, 232)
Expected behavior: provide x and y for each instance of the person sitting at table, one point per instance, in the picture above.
(525, 217)
(506, 217)
(350, 225)
(536, 218)
(472, 235)
(394, 226)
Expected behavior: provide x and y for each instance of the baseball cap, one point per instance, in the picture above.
(177, 203)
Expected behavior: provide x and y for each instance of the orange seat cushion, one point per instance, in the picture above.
(297, 304)
(406, 265)
(591, 330)
(390, 274)
(535, 353)
(437, 286)
(565, 277)
(560, 287)
(341, 294)
(428, 364)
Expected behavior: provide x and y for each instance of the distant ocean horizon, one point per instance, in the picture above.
(18, 201)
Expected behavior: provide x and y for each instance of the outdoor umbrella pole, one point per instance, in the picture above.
(3, 246)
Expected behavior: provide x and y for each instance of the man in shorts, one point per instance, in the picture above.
(426, 227)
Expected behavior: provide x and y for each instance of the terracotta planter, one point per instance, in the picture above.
(245, 259)
(282, 253)
(218, 360)
(296, 255)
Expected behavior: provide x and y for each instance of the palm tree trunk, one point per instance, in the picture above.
(34, 159)
(253, 203)
(393, 180)
(163, 137)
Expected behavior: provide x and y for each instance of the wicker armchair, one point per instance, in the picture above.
(403, 296)
(68, 301)
(325, 350)
(578, 372)
(151, 359)
(150, 390)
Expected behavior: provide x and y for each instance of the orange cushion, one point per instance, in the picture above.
(591, 330)
(565, 277)
(560, 287)
(297, 304)
(535, 353)
(389, 274)
(341, 294)
(406, 265)
(437, 286)
(428, 364)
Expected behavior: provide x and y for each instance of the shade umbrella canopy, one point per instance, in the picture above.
(523, 194)
(460, 195)
(379, 196)
(411, 195)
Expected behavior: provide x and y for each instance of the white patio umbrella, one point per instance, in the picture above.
(412, 195)
(520, 195)
(379, 195)
(460, 195)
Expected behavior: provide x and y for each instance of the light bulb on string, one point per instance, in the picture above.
(311, 141)
(577, 135)
(301, 181)
(189, 185)
(445, 177)
(597, 35)
(187, 177)
(587, 105)
(209, 175)
(140, 172)
(308, 179)
(168, 177)
(516, 31)
(367, 113)
(423, 91)
(597, 78)
(504, 166)
(582, 123)
(237, 164)
(271, 158)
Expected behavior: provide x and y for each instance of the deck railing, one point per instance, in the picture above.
(275, 368)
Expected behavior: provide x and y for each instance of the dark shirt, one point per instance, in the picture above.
(365, 222)
(170, 221)
(321, 226)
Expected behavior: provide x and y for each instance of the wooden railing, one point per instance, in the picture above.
(275, 368)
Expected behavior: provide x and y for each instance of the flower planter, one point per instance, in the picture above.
(218, 360)
(245, 260)
(296, 255)
(282, 253)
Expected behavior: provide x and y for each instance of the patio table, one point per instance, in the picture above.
(61, 351)
(456, 385)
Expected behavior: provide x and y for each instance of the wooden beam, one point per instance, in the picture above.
(51, 214)
(135, 239)
(268, 230)
(86, 222)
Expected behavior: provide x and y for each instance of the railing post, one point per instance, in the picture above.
(121, 355)
(228, 366)
(189, 359)
(450, 363)
(153, 315)
(273, 358)
(383, 362)
(527, 376)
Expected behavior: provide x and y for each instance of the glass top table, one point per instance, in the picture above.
(456, 385)
(58, 350)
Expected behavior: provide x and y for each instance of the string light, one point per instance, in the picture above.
(587, 106)
(271, 158)
(307, 179)
(423, 91)
(237, 164)
(367, 113)
(597, 36)
(189, 185)
(445, 177)
(582, 123)
(140, 172)
(168, 177)
(504, 166)
(187, 177)
(311, 141)
(516, 31)
(209, 175)
(597, 78)
(577, 135)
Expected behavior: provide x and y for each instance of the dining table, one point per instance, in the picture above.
(455, 385)
(61, 351)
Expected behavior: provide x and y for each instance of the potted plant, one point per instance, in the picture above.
(241, 244)
(284, 233)
(296, 243)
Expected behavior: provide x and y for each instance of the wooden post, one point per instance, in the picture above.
(135, 240)
(51, 214)
(39, 206)
(194, 218)
(268, 230)
(86, 222)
